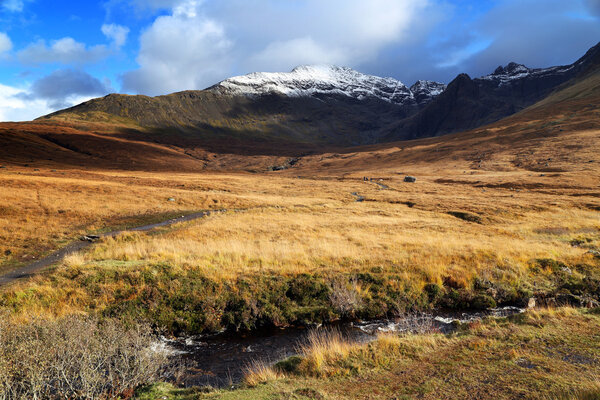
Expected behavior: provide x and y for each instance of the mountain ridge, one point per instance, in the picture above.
(310, 80)
(329, 105)
(468, 103)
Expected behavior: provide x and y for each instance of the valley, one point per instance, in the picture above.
(311, 223)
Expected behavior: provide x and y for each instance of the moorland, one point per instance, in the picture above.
(498, 216)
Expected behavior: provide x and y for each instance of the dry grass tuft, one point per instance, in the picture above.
(322, 350)
(74, 260)
(260, 372)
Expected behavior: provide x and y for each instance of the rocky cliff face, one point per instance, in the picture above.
(469, 103)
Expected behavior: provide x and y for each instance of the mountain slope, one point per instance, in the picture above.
(558, 137)
(321, 105)
(559, 133)
(469, 103)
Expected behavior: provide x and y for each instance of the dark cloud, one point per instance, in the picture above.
(551, 38)
(532, 32)
(594, 7)
(62, 86)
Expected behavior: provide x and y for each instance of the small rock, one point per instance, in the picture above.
(410, 179)
(531, 303)
(567, 270)
(595, 253)
(171, 199)
(525, 363)
(90, 238)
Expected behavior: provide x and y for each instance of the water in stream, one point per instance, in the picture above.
(220, 360)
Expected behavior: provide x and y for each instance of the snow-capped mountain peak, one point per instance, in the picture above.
(314, 80)
(425, 91)
(514, 71)
(511, 69)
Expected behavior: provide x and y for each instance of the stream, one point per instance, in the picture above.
(220, 360)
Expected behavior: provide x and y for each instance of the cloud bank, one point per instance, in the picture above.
(200, 43)
(63, 87)
(63, 51)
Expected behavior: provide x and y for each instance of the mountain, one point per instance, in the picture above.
(317, 106)
(107, 133)
(323, 105)
(326, 80)
(425, 91)
(469, 103)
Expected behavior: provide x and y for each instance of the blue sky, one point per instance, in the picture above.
(54, 54)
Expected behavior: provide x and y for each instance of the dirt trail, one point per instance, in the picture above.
(33, 268)
(359, 198)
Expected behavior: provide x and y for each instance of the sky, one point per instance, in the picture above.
(58, 53)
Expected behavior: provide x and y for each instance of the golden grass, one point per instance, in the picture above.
(322, 349)
(417, 244)
(259, 372)
(285, 226)
(288, 226)
(41, 211)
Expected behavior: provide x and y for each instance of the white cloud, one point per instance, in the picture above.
(279, 56)
(25, 104)
(201, 43)
(5, 43)
(13, 108)
(13, 5)
(116, 33)
(180, 51)
(64, 51)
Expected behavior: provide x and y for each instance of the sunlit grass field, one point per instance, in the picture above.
(291, 249)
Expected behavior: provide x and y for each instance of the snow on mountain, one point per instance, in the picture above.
(425, 91)
(324, 79)
(513, 71)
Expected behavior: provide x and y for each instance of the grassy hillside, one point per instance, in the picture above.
(208, 116)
